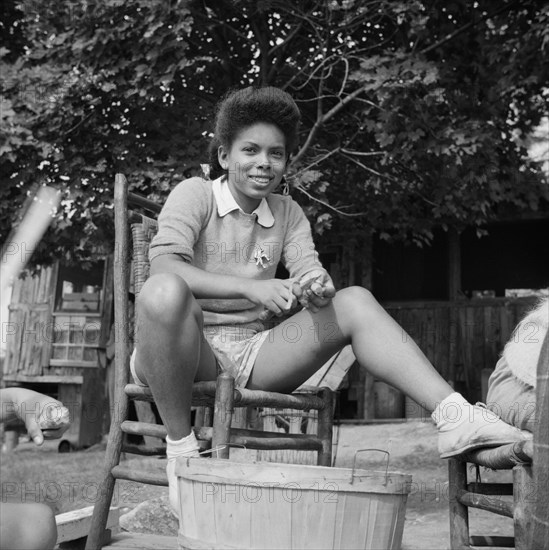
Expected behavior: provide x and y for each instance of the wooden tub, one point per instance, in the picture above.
(258, 505)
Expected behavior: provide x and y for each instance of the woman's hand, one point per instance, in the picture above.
(276, 296)
(319, 292)
(54, 419)
(43, 416)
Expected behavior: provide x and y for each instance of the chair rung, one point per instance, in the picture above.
(252, 439)
(266, 443)
(204, 395)
(263, 434)
(483, 502)
(500, 489)
(505, 457)
(258, 398)
(159, 430)
(487, 540)
(143, 428)
(143, 450)
(141, 476)
(140, 393)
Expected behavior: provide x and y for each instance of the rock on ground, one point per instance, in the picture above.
(151, 516)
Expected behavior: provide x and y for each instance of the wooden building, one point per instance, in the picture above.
(459, 299)
(56, 337)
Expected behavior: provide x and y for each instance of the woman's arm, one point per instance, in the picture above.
(203, 284)
(301, 259)
(274, 294)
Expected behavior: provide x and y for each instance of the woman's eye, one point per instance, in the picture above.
(277, 154)
(249, 149)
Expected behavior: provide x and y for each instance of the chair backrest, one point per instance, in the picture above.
(143, 229)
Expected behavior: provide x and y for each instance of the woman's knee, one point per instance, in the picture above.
(356, 306)
(356, 298)
(44, 520)
(167, 298)
(15, 532)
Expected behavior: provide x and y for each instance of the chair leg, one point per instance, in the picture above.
(524, 495)
(223, 415)
(96, 538)
(459, 515)
(325, 427)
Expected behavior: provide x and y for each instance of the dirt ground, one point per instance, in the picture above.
(412, 448)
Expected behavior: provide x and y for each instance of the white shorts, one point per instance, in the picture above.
(235, 348)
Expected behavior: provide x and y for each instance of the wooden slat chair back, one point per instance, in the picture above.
(220, 396)
(529, 508)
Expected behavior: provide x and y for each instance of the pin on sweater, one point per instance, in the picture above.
(261, 258)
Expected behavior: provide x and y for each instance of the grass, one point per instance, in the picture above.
(65, 481)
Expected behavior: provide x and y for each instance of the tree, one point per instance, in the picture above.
(414, 115)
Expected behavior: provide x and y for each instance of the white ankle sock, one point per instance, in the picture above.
(451, 412)
(186, 446)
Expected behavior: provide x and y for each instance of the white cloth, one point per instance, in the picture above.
(523, 349)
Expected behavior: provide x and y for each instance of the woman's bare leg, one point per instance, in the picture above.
(171, 351)
(303, 343)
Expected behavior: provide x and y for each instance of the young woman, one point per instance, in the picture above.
(213, 265)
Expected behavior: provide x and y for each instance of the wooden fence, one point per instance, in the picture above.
(463, 337)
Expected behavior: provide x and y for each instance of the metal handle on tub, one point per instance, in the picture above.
(353, 475)
(213, 450)
(219, 447)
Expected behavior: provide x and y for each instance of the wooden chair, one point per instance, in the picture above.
(219, 397)
(530, 487)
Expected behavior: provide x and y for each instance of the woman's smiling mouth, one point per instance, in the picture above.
(261, 180)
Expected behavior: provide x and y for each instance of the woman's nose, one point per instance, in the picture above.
(263, 161)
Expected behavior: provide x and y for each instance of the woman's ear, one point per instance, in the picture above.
(222, 157)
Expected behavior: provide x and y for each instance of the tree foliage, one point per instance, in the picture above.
(415, 114)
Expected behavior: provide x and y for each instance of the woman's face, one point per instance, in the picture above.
(255, 163)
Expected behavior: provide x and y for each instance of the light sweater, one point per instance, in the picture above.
(522, 351)
(202, 223)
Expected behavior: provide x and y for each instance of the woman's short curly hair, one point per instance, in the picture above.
(241, 109)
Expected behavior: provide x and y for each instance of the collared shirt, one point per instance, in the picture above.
(226, 203)
(202, 223)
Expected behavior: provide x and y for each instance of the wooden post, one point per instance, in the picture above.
(540, 516)
(454, 293)
(325, 427)
(366, 399)
(523, 499)
(208, 416)
(223, 416)
(459, 515)
(366, 256)
(454, 264)
(121, 404)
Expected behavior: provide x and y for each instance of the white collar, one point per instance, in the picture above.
(226, 203)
